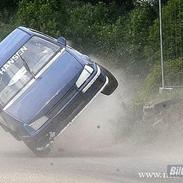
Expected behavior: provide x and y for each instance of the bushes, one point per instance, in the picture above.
(137, 32)
(150, 86)
(8, 4)
(84, 24)
(122, 32)
(120, 39)
(173, 76)
(44, 15)
(102, 29)
(6, 23)
(174, 72)
(172, 32)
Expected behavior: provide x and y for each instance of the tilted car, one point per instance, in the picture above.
(44, 84)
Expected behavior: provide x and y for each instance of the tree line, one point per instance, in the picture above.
(125, 33)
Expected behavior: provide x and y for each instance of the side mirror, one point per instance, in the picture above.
(62, 41)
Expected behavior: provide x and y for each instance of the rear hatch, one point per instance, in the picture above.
(42, 94)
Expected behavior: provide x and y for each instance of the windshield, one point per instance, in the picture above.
(14, 75)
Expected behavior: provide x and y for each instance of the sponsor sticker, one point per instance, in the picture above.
(12, 60)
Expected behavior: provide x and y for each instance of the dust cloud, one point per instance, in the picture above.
(109, 122)
(102, 123)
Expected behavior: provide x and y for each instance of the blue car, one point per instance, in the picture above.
(44, 84)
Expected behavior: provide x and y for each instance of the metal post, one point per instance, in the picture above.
(161, 45)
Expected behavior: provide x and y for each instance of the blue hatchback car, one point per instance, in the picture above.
(44, 85)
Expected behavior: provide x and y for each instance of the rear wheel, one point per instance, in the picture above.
(112, 84)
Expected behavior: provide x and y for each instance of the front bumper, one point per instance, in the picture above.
(69, 107)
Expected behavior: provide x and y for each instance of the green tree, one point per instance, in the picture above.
(84, 24)
(132, 33)
(8, 4)
(48, 16)
(172, 32)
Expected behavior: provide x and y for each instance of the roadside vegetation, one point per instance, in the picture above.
(124, 33)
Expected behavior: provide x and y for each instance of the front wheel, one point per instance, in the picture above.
(41, 151)
(112, 84)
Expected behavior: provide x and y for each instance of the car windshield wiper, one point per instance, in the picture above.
(27, 67)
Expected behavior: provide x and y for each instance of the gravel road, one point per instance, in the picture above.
(117, 163)
(90, 151)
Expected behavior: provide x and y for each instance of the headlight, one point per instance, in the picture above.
(87, 71)
(38, 123)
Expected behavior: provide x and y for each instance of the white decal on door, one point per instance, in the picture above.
(13, 59)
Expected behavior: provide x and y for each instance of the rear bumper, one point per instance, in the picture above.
(63, 114)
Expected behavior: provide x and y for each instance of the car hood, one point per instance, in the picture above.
(58, 78)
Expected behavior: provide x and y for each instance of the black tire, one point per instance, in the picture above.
(112, 84)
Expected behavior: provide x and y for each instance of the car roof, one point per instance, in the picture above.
(33, 32)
